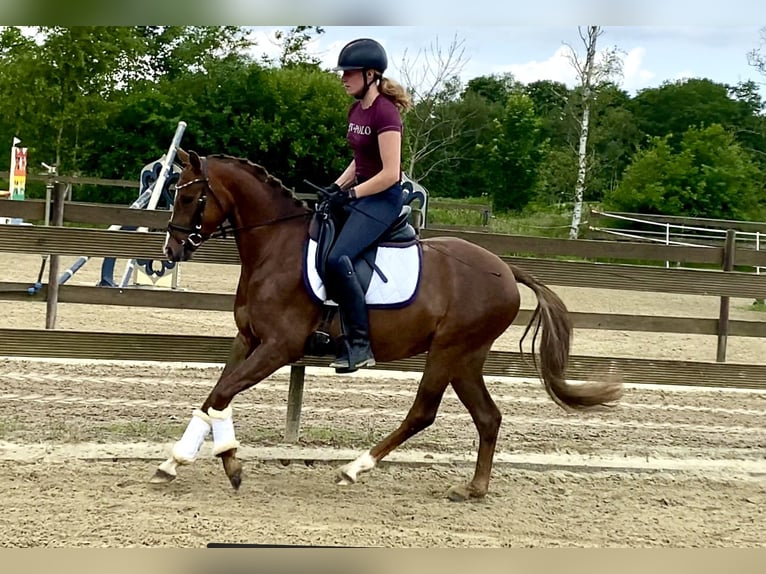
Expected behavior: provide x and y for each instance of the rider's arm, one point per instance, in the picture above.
(390, 143)
(348, 177)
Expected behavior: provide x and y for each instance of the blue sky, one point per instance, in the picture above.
(651, 54)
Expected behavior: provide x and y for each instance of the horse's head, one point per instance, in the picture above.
(195, 217)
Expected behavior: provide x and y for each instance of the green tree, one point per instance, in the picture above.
(674, 107)
(515, 154)
(495, 88)
(173, 51)
(551, 106)
(614, 138)
(708, 176)
(294, 44)
(458, 169)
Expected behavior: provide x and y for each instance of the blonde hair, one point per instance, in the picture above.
(395, 92)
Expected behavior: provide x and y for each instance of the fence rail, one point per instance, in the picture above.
(208, 301)
(131, 245)
(208, 349)
(562, 262)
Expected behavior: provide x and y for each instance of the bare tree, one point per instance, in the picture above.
(592, 72)
(432, 79)
(756, 57)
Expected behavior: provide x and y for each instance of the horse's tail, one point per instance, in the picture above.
(552, 315)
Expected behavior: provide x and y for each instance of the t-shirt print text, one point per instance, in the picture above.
(360, 130)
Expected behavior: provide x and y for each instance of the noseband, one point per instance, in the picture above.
(194, 237)
(194, 233)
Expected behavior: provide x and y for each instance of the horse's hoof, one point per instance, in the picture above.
(462, 493)
(342, 478)
(233, 468)
(161, 477)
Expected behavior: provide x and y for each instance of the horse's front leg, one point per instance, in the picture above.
(186, 449)
(267, 358)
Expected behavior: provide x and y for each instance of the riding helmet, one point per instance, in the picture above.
(362, 54)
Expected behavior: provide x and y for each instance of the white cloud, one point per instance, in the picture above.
(266, 44)
(634, 76)
(559, 68)
(556, 68)
(269, 47)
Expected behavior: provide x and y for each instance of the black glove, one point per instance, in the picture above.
(330, 190)
(336, 197)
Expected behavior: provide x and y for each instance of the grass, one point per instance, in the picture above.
(759, 305)
(65, 431)
(548, 221)
(142, 431)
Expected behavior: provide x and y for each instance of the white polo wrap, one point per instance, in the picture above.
(223, 430)
(186, 449)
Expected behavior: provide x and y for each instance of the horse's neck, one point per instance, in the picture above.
(263, 218)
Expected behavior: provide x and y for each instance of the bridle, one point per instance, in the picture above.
(194, 235)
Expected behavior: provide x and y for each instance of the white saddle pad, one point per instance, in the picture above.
(400, 265)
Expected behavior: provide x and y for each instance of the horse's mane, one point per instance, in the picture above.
(260, 172)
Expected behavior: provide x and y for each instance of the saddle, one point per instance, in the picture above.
(323, 229)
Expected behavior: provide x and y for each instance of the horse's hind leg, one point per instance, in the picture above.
(472, 392)
(421, 414)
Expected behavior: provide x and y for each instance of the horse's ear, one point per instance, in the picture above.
(183, 156)
(195, 161)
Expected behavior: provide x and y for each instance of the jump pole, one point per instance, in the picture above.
(156, 191)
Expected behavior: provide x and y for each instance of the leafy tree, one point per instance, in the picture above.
(674, 107)
(460, 169)
(614, 138)
(173, 51)
(515, 154)
(294, 43)
(551, 106)
(495, 88)
(556, 177)
(709, 176)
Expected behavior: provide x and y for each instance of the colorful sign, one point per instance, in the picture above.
(19, 179)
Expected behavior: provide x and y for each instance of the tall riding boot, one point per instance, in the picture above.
(353, 312)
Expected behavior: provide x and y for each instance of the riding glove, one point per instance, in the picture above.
(336, 196)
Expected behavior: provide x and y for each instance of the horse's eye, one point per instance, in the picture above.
(186, 199)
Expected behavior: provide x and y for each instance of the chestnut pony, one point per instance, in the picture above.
(467, 297)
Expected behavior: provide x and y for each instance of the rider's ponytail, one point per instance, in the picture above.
(396, 93)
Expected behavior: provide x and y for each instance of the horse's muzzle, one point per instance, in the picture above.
(179, 250)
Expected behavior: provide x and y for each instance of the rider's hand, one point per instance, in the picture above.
(330, 190)
(336, 196)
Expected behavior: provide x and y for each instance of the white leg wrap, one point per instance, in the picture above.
(363, 463)
(169, 466)
(185, 450)
(223, 430)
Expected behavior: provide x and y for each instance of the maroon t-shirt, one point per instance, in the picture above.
(364, 126)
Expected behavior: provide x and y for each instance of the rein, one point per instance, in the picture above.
(194, 236)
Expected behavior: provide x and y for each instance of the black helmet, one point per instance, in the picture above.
(362, 54)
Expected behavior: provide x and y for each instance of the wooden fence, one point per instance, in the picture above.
(556, 262)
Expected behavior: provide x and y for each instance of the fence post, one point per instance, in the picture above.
(57, 220)
(294, 402)
(758, 300)
(723, 315)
